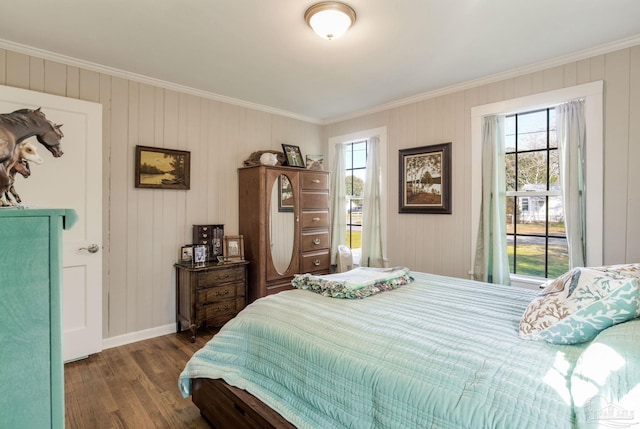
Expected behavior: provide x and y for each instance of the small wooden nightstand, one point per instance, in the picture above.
(209, 295)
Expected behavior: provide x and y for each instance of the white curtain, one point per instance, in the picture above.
(371, 225)
(571, 132)
(338, 203)
(491, 260)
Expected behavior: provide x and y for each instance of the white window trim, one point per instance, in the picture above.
(593, 95)
(381, 133)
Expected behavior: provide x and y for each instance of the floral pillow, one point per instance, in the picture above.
(626, 270)
(576, 306)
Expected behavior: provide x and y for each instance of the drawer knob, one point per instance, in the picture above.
(223, 277)
(316, 262)
(222, 293)
(316, 241)
(316, 181)
(316, 219)
(225, 308)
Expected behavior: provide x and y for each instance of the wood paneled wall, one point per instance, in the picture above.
(144, 228)
(441, 244)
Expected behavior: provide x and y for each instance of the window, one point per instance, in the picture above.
(536, 239)
(592, 93)
(355, 173)
(349, 155)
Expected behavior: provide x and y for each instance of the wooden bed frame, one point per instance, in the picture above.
(224, 406)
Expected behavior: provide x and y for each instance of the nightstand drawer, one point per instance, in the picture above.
(220, 312)
(216, 294)
(208, 279)
(315, 240)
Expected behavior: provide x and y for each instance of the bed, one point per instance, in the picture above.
(438, 352)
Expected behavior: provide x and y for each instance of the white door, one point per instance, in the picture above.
(72, 181)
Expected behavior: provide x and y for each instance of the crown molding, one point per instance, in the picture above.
(75, 62)
(531, 68)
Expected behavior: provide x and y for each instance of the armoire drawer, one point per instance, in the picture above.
(315, 261)
(315, 181)
(314, 200)
(315, 219)
(315, 240)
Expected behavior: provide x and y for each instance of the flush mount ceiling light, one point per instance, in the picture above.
(330, 19)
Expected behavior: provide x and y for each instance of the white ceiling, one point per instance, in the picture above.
(261, 52)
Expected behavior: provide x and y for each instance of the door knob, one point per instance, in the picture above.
(93, 248)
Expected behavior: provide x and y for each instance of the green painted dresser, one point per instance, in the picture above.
(31, 367)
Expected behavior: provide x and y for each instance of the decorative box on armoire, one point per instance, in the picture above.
(31, 367)
(284, 219)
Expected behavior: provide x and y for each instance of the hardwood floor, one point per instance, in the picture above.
(133, 386)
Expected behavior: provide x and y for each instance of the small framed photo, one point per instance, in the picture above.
(425, 179)
(200, 255)
(233, 248)
(293, 155)
(315, 162)
(186, 254)
(160, 168)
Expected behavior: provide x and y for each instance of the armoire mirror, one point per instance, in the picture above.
(282, 224)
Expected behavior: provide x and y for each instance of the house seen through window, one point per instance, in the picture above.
(355, 166)
(536, 239)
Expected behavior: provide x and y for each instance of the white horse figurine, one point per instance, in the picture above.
(26, 151)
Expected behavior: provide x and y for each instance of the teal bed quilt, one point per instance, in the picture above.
(438, 352)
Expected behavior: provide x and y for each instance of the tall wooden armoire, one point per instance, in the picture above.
(284, 220)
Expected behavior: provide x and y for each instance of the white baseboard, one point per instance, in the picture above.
(121, 340)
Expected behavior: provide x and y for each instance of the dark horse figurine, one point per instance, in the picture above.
(18, 126)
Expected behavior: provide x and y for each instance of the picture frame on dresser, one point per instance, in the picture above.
(186, 254)
(199, 255)
(293, 155)
(233, 248)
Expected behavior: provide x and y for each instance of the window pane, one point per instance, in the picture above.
(556, 217)
(354, 212)
(348, 158)
(558, 257)
(532, 130)
(531, 215)
(553, 137)
(510, 133)
(532, 171)
(530, 256)
(510, 252)
(360, 155)
(349, 185)
(511, 213)
(510, 162)
(554, 170)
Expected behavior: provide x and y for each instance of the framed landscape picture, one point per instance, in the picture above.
(425, 179)
(162, 168)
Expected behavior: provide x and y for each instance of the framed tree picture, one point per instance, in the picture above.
(425, 179)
